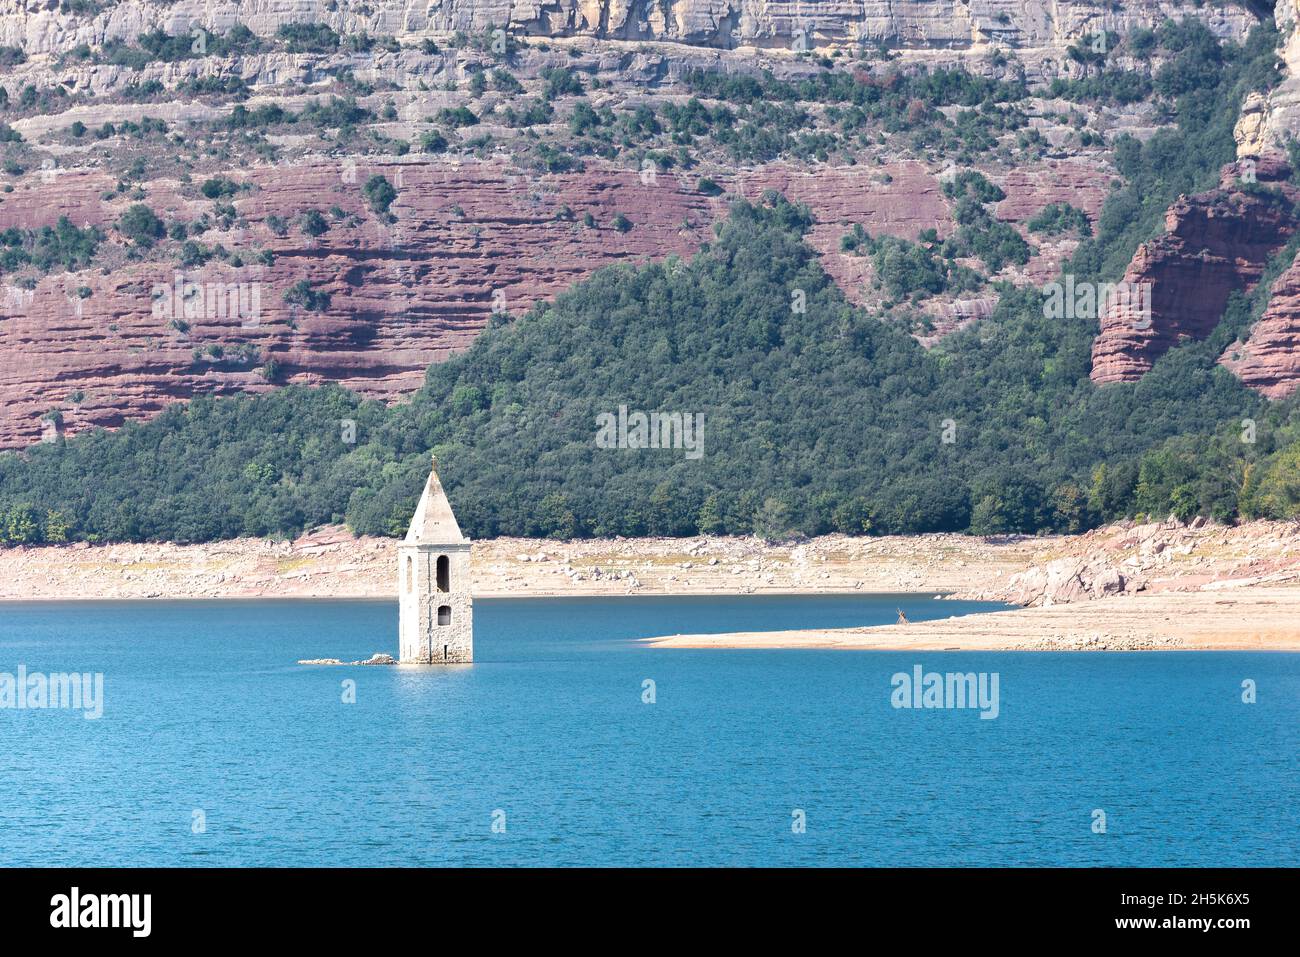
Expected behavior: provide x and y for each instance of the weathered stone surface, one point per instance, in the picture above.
(1267, 122)
(1269, 360)
(44, 27)
(434, 585)
(1065, 580)
(402, 296)
(1214, 243)
(468, 236)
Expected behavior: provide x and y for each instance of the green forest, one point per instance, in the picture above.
(817, 416)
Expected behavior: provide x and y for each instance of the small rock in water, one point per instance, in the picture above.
(378, 658)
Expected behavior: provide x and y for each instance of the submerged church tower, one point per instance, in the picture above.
(437, 616)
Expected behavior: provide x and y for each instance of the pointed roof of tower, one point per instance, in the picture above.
(434, 523)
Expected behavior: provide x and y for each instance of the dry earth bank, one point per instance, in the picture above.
(1127, 586)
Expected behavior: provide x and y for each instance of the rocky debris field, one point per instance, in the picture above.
(1164, 556)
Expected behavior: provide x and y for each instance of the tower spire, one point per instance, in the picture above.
(434, 522)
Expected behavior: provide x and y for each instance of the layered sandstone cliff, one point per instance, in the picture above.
(476, 230)
(1270, 122)
(1269, 360)
(43, 27)
(470, 238)
(1215, 243)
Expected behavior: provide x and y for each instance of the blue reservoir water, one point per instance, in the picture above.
(215, 748)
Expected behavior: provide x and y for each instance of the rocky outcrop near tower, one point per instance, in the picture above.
(1215, 243)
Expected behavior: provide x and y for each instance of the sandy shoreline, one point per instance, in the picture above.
(1164, 586)
(1259, 619)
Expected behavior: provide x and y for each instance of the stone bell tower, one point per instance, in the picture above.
(433, 584)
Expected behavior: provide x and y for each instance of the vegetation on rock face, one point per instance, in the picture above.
(50, 248)
(910, 270)
(1187, 157)
(140, 225)
(308, 37)
(1057, 218)
(817, 416)
(379, 193)
(302, 294)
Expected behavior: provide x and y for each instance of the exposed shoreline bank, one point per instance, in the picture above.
(1257, 619)
(331, 563)
(1165, 586)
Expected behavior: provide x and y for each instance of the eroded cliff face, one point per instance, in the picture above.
(1267, 123)
(1269, 360)
(43, 27)
(1220, 241)
(481, 227)
(469, 239)
(1215, 243)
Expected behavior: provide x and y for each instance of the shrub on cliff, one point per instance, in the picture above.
(303, 294)
(432, 141)
(503, 81)
(1109, 86)
(62, 246)
(379, 193)
(560, 81)
(1056, 218)
(219, 187)
(337, 113)
(308, 37)
(312, 223)
(140, 225)
(457, 118)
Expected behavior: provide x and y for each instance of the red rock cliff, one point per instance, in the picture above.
(467, 237)
(1215, 243)
(1269, 361)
